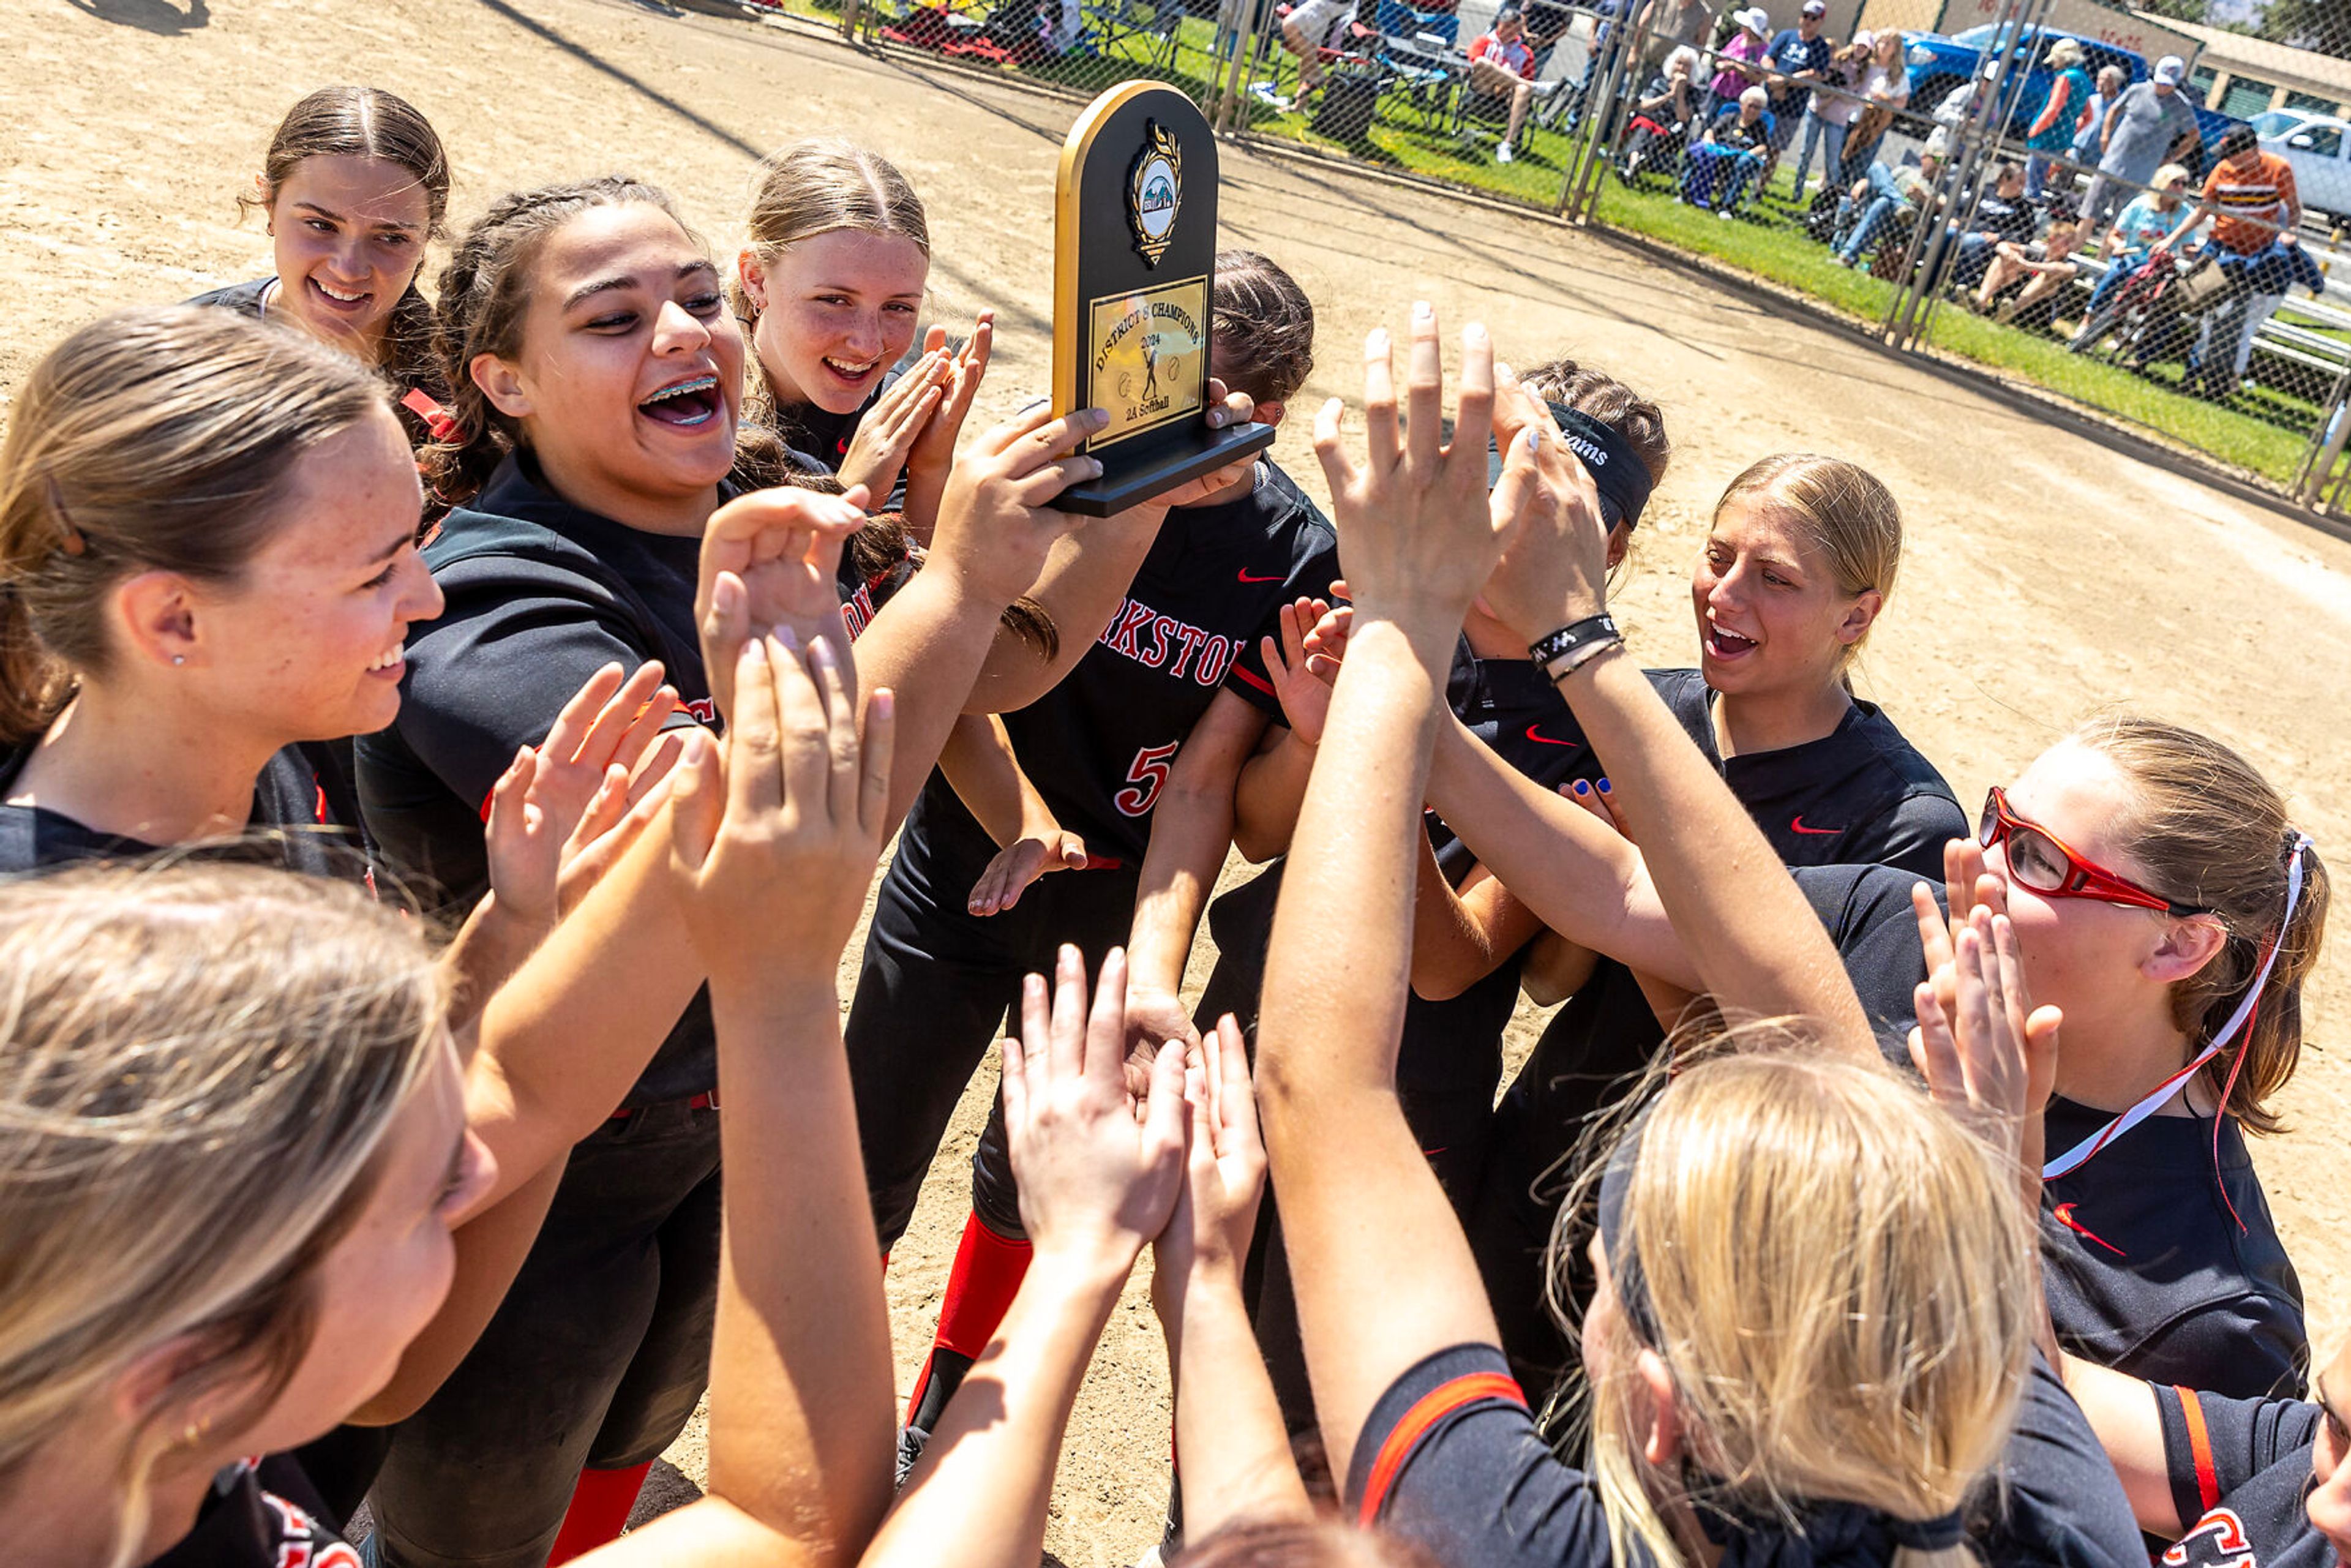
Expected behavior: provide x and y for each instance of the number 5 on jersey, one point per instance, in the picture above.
(1148, 773)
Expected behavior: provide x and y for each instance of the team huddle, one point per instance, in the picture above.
(448, 739)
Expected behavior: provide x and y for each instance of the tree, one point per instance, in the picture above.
(2321, 25)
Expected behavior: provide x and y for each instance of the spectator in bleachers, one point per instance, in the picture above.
(2091, 126)
(1503, 66)
(1884, 89)
(2147, 222)
(1661, 116)
(1739, 63)
(1665, 25)
(2051, 134)
(2045, 265)
(1799, 59)
(1306, 30)
(1880, 197)
(1959, 104)
(2255, 211)
(2001, 215)
(2151, 124)
(1830, 112)
(1717, 169)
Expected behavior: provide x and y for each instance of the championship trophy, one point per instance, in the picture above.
(1134, 254)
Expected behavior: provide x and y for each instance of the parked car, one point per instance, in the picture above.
(1938, 64)
(2319, 150)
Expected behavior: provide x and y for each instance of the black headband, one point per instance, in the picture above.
(1616, 469)
(1615, 1241)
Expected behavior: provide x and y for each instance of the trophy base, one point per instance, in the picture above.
(1131, 481)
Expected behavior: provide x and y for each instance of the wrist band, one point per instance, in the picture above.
(1564, 650)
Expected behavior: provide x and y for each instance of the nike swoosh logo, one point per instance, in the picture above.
(1544, 739)
(1797, 826)
(1247, 578)
(2064, 1213)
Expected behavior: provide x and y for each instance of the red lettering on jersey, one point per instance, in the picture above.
(1213, 660)
(2216, 1542)
(703, 708)
(857, 612)
(1120, 633)
(1193, 637)
(1161, 627)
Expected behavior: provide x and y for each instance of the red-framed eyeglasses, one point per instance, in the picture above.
(2042, 862)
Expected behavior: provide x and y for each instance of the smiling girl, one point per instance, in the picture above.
(219, 570)
(1795, 572)
(355, 185)
(830, 288)
(597, 377)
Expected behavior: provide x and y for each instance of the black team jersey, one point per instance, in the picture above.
(305, 816)
(261, 1514)
(541, 594)
(1859, 795)
(1100, 746)
(2240, 1469)
(1451, 1047)
(1451, 1457)
(2149, 1271)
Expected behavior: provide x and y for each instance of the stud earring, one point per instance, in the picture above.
(179, 658)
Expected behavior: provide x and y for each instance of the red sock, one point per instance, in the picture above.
(598, 1511)
(987, 1271)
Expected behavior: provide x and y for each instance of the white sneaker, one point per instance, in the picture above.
(1502, 154)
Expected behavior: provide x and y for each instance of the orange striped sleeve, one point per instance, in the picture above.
(2199, 1445)
(1457, 1393)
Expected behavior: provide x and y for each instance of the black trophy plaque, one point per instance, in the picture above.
(1134, 252)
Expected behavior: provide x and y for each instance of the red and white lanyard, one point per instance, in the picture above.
(2080, 1154)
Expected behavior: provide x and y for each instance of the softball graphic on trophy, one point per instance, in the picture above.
(1134, 253)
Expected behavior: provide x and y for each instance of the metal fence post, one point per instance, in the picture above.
(1580, 189)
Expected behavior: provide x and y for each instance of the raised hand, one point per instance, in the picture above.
(1305, 664)
(1420, 535)
(560, 797)
(1224, 1173)
(1224, 408)
(1098, 1177)
(996, 519)
(1021, 862)
(1556, 569)
(781, 550)
(935, 444)
(886, 435)
(773, 875)
(1987, 1055)
(1156, 1018)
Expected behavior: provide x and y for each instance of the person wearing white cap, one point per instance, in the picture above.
(1739, 63)
(2152, 123)
(1799, 59)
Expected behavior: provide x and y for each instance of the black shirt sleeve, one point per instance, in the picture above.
(2213, 1447)
(2059, 1502)
(1913, 834)
(1867, 909)
(1450, 1458)
(1312, 571)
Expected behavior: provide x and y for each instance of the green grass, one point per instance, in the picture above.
(2264, 433)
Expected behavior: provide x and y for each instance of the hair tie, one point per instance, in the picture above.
(74, 543)
(1939, 1533)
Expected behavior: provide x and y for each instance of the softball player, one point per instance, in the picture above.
(355, 186)
(1136, 751)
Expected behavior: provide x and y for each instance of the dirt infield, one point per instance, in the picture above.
(2045, 576)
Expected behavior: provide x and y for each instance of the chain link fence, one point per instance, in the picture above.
(2037, 187)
